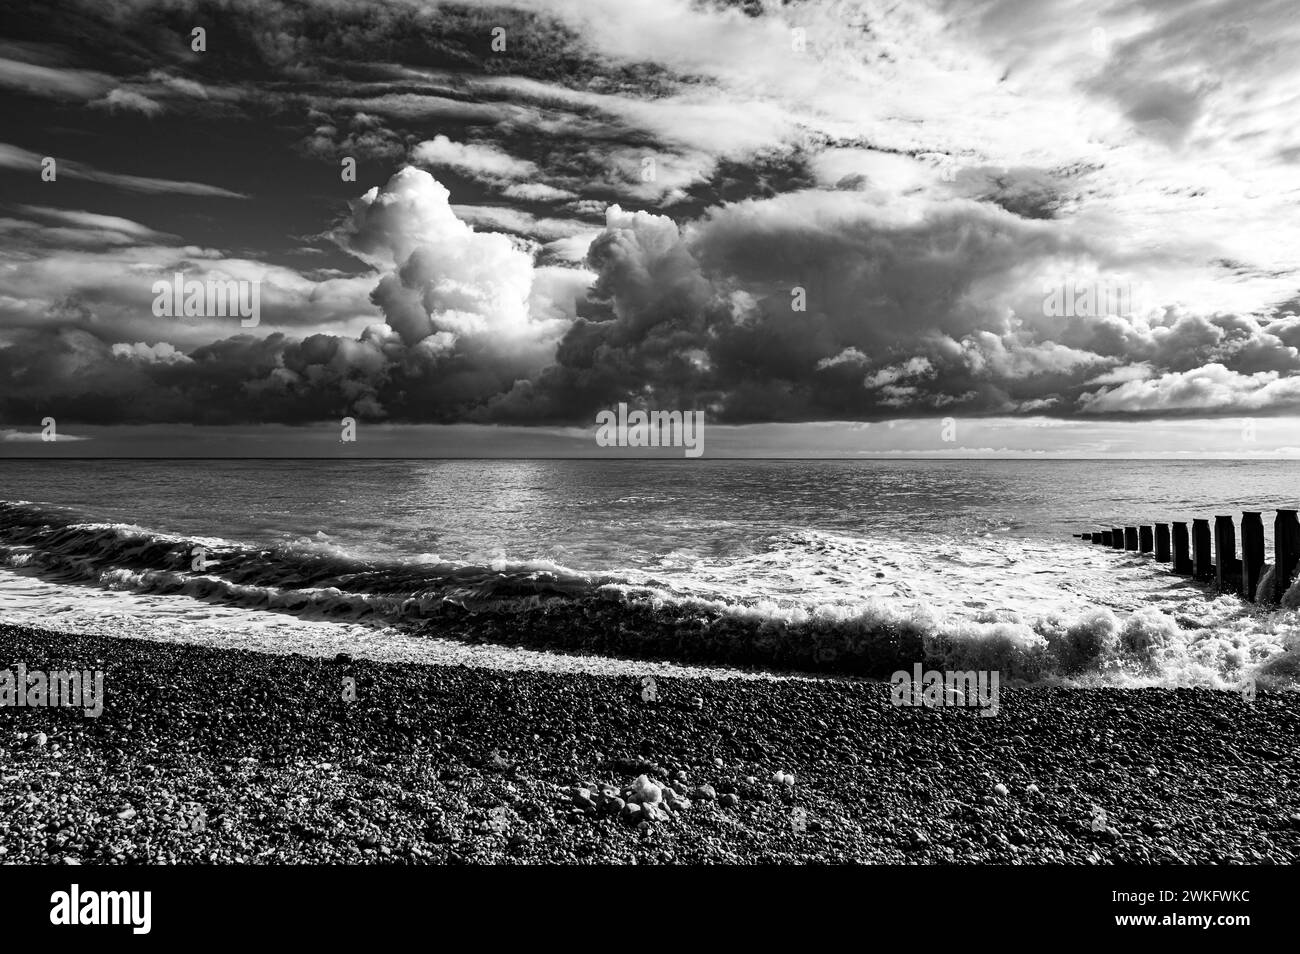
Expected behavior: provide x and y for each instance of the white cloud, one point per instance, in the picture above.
(128, 100)
(479, 161)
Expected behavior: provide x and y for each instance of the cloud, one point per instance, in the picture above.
(847, 356)
(12, 157)
(638, 189)
(53, 82)
(457, 297)
(91, 221)
(366, 137)
(536, 192)
(521, 223)
(98, 277)
(1212, 388)
(479, 161)
(127, 100)
(908, 310)
(8, 435)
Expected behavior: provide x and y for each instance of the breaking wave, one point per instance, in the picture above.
(734, 613)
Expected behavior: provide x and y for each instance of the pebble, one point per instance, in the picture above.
(645, 791)
(706, 793)
(1000, 790)
(729, 800)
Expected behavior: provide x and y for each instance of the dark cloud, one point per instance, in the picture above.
(901, 319)
(1030, 193)
(742, 288)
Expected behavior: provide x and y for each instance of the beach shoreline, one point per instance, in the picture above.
(206, 755)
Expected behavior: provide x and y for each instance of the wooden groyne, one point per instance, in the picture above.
(1209, 554)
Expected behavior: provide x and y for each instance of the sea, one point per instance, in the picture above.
(754, 568)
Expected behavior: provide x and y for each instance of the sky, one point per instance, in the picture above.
(976, 227)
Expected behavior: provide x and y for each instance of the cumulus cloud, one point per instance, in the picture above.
(904, 312)
(449, 279)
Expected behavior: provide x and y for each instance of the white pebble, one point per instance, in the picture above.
(646, 791)
(1000, 790)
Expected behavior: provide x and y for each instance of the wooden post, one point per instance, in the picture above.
(1130, 538)
(1252, 552)
(1146, 543)
(1101, 536)
(1106, 538)
(1162, 542)
(1202, 568)
(1182, 549)
(1117, 537)
(1227, 575)
(1286, 542)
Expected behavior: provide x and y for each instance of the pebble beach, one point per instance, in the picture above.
(205, 755)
